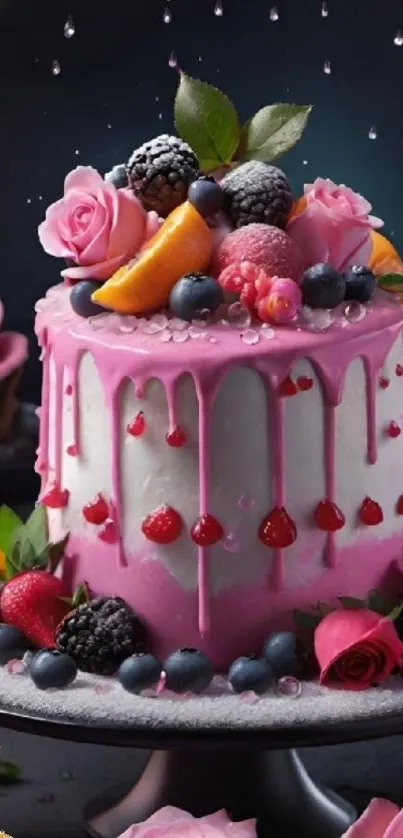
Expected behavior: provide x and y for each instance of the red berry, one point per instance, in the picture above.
(73, 450)
(96, 511)
(399, 370)
(328, 516)
(34, 602)
(304, 383)
(176, 438)
(384, 382)
(370, 512)
(163, 525)
(248, 295)
(108, 532)
(399, 505)
(393, 430)
(55, 497)
(69, 390)
(137, 426)
(277, 529)
(287, 387)
(206, 531)
(263, 285)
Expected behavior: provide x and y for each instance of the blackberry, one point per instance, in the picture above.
(257, 193)
(100, 634)
(160, 171)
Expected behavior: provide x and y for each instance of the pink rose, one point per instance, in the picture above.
(332, 224)
(381, 819)
(95, 225)
(171, 822)
(356, 649)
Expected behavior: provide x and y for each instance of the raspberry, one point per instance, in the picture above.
(96, 511)
(137, 426)
(206, 531)
(163, 525)
(248, 295)
(176, 438)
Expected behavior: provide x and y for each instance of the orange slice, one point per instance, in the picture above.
(2, 573)
(182, 244)
(384, 257)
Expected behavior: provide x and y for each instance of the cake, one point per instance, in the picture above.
(220, 428)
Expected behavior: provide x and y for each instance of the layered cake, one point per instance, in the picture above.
(220, 429)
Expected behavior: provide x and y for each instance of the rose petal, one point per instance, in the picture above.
(378, 816)
(83, 178)
(101, 270)
(395, 829)
(128, 232)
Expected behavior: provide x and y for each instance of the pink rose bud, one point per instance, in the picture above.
(282, 303)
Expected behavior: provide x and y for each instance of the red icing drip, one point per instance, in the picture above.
(277, 529)
(206, 531)
(304, 382)
(384, 382)
(55, 497)
(288, 387)
(393, 430)
(328, 516)
(108, 532)
(163, 525)
(176, 438)
(370, 512)
(399, 505)
(73, 450)
(69, 390)
(96, 511)
(137, 426)
(399, 370)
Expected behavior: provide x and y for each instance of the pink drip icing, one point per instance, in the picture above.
(278, 487)
(43, 447)
(203, 553)
(370, 375)
(329, 456)
(76, 410)
(113, 402)
(58, 422)
(170, 389)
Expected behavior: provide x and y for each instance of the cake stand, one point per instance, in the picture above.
(212, 752)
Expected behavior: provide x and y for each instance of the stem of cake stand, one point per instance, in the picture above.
(272, 786)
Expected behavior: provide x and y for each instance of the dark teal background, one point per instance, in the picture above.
(115, 67)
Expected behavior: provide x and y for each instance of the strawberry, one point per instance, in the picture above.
(163, 525)
(206, 531)
(34, 602)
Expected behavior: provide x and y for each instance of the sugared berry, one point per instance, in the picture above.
(137, 426)
(55, 497)
(393, 430)
(188, 670)
(322, 286)
(108, 532)
(399, 505)
(328, 516)
(13, 644)
(384, 382)
(163, 525)
(281, 651)
(304, 382)
(194, 293)
(80, 298)
(96, 511)
(206, 531)
(176, 438)
(248, 296)
(370, 512)
(399, 370)
(206, 196)
(139, 672)
(360, 284)
(251, 673)
(288, 387)
(117, 176)
(277, 529)
(50, 669)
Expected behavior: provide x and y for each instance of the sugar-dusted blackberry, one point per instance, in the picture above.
(160, 172)
(257, 193)
(100, 634)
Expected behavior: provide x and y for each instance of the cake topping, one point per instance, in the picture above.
(304, 382)
(54, 497)
(50, 669)
(328, 516)
(360, 283)
(288, 387)
(80, 298)
(265, 246)
(194, 293)
(176, 438)
(257, 192)
(96, 511)
(370, 512)
(251, 673)
(138, 425)
(160, 172)
(277, 529)
(393, 430)
(323, 287)
(163, 525)
(399, 370)
(399, 505)
(188, 670)
(206, 531)
(281, 303)
(140, 672)
(384, 382)
(206, 195)
(108, 532)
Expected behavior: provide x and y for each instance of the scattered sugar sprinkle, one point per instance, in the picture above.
(165, 336)
(177, 325)
(238, 315)
(249, 697)
(180, 337)
(267, 332)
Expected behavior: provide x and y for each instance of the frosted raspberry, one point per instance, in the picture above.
(248, 295)
(235, 275)
(263, 245)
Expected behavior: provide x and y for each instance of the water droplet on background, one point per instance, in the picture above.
(29, 200)
(274, 15)
(353, 312)
(172, 60)
(398, 39)
(238, 315)
(246, 502)
(316, 320)
(324, 10)
(250, 337)
(55, 68)
(160, 116)
(304, 162)
(218, 9)
(69, 28)
(167, 16)
(372, 133)
(327, 68)
(230, 543)
(77, 151)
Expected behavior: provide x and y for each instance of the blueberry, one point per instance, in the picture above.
(206, 196)
(322, 286)
(50, 669)
(251, 673)
(193, 293)
(188, 670)
(139, 672)
(360, 284)
(13, 644)
(117, 176)
(280, 650)
(80, 298)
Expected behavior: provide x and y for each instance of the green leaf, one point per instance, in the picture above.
(352, 602)
(37, 531)
(55, 554)
(9, 773)
(323, 609)
(273, 131)
(9, 523)
(207, 120)
(377, 602)
(395, 613)
(305, 621)
(81, 595)
(389, 280)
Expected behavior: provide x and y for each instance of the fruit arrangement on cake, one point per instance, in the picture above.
(220, 429)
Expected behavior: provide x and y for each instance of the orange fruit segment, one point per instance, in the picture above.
(384, 257)
(2, 573)
(183, 244)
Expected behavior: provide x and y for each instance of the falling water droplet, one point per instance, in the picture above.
(77, 151)
(218, 9)
(29, 200)
(167, 16)
(56, 68)
(304, 162)
(172, 60)
(274, 15)
(160, 116)
(69, 28)
(372, 133)
(324, 10)
(398, 39)
(327, 68)
(157, 98)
